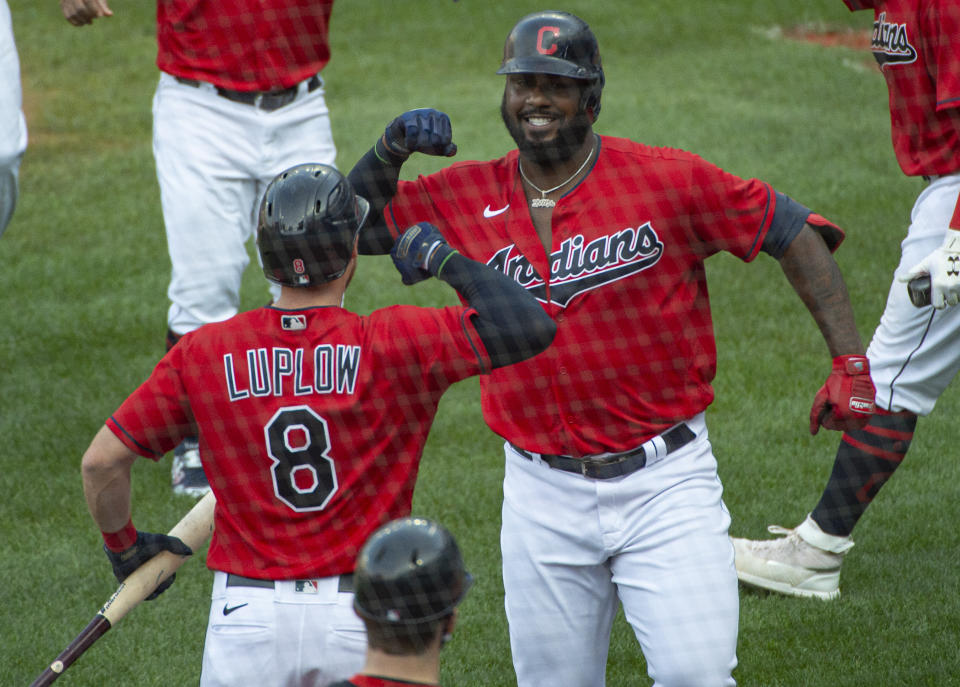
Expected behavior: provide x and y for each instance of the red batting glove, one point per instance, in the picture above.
(845, 401)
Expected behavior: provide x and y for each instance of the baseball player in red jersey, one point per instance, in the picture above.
(913, 354)
(611, 491)
(311, 422)
(409, 580)
(240, 98)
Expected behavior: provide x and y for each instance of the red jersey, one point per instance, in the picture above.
(374, 681)
(917, 43)
(246, 45)
(624, 280)
(311, 425)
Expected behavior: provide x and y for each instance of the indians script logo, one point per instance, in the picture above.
(577, 267)
(890, 43)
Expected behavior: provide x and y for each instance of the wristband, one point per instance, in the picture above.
(387, 156)
(122, 539)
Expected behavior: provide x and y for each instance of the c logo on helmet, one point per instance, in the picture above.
(542, 48)
(298, 266)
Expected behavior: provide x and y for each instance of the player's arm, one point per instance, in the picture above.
(82, 12)
(510, 322)
(106, 468)
(376, 175)
(846, 400)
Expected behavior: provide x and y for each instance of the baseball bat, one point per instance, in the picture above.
(193, 529)
(919, 290)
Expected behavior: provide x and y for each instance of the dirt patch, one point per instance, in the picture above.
(857, 39)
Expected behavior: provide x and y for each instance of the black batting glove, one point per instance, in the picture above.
(420, 253)
(425, 131)
(146, 547)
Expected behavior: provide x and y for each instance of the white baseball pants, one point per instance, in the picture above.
(655, 541)
(13, 126)
(295, 635)
(214, 159)
(914, 353)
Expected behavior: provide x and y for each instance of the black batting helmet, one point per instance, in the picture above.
(309, 219)
(557, 43)
(410, 571)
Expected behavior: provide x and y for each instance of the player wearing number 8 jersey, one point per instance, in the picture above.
(312, 421)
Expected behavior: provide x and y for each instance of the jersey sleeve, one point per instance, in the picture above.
(729, 213)
(436, 346)
(156, 417)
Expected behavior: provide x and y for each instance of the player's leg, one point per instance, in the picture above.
(674, 572)
(300, 132)
(13, 127)
(913, 357)
(203, 148)
(559, 598)
(298, 633)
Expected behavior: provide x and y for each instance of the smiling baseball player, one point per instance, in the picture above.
(611, 493)
(312, 421)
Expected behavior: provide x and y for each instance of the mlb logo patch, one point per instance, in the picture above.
(306, 586)
(293, 323)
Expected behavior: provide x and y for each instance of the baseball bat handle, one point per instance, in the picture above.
(919, 290)
(193, 529)
(91, 633)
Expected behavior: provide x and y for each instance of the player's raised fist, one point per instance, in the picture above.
(845, 401)
(420, 253)
(425, 131)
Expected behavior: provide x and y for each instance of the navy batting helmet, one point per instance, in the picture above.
(409, 571)
(557, 43)
(309, 219)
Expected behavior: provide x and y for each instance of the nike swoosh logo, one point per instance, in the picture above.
(227, 610)
(488, 213)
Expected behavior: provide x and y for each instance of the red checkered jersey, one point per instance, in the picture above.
(917, 43)
(624, 280)
(247, 45)
(311, 425)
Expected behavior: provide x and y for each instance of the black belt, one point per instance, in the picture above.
(617, 464)
(345, 584)
(265, 100)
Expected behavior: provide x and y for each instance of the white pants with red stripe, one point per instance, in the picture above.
(914, 353)
(295, 635)
(654, 541)
(214, 159)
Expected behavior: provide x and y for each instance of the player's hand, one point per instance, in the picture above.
(146, 547)
(425, 131)
(81, 12)
(943, 266)
(845, 401)
(419, 253)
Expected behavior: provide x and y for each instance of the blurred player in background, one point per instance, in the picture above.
(13, 126)
(409, 580)
(240, 98)
(611, 493)
(913, 354)
(312, 421)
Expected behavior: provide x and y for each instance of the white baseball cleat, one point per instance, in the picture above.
(187, 474)
(805, 562)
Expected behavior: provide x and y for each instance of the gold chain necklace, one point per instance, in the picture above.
(543, 201)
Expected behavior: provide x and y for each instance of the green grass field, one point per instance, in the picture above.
(84, 270)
